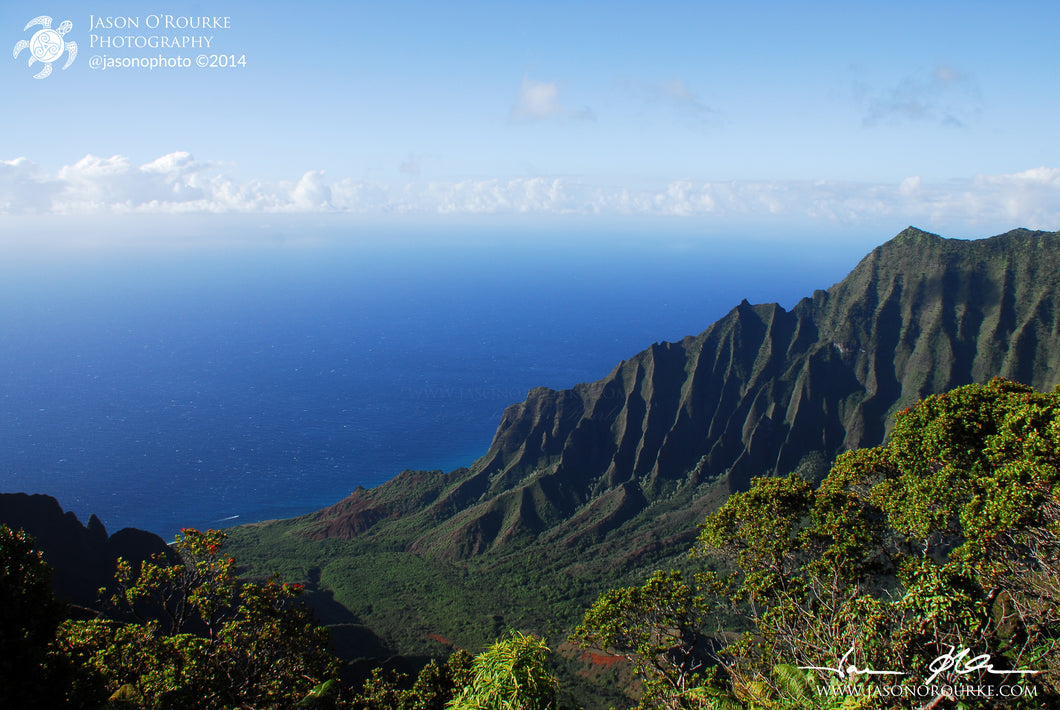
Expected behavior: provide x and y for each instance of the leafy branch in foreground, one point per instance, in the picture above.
(199, 637)
(512, 674)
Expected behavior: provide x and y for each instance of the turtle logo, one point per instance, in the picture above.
(47, 45)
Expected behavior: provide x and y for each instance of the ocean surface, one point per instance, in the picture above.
(207, 388)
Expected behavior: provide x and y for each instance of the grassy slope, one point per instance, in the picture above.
(409, 599)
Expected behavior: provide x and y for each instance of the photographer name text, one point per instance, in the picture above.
(156, 31)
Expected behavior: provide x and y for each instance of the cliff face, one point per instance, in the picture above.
(763, 391)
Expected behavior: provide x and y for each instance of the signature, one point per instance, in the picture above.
(961, 662)
(844, 670)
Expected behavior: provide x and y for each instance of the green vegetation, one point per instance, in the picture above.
(658, 627)
(936, 557)
(511, 674)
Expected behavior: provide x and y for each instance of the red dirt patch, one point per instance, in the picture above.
(601, 660)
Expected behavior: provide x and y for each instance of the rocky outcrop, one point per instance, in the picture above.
(82, 557)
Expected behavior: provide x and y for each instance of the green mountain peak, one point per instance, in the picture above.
(912, 236)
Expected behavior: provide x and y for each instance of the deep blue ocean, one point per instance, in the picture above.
(212, 387)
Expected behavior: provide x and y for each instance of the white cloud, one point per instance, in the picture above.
(177, 183)
(539, 100)
(910, 186)
(311, 192)
(536, 100)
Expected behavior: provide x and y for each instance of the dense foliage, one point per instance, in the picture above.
(917, 570)
(30, 669)
(183, 634)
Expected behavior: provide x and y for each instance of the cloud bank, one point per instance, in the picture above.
(177, 183)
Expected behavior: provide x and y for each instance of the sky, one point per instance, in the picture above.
(701, 118)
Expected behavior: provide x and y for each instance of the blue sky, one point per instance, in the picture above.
(699, 117)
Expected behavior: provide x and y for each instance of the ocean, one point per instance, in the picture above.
(161, 389)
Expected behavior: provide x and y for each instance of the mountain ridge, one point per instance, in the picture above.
(762, 391)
